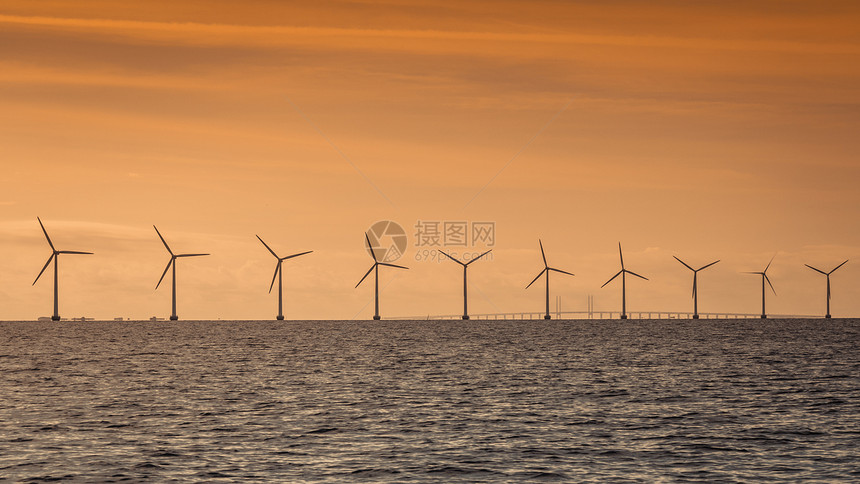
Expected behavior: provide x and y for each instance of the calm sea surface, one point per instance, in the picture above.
(431, 401)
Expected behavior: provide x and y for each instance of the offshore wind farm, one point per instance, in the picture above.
(545, 272)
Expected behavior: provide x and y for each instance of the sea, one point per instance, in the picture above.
(431, 401)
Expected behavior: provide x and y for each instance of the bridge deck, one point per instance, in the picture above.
(591, 315)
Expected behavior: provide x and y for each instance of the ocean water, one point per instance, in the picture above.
(443, 401)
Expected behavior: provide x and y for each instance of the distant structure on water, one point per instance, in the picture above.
(279, 276)
(375, 269)
(172, 263)
(623, 273)
(764, 279)
(55, 256)
(546, 270)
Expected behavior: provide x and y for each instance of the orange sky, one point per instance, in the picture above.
(707, 130)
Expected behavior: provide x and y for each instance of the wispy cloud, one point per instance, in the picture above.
(269, 35)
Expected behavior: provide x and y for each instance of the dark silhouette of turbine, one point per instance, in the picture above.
(171, 263)
(375, 268)
(764, 279)
(279, 276)
(695, 285)
(465, 284)
(827, 316)
(623, 273)
(546, 270)
(55, 256)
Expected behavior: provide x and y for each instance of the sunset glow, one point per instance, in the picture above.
(718, 130)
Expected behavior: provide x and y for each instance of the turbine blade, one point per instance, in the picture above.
(267, 246)
(73, 252)
(296, 255)
(635, 274)
(817, 270)
(769, 284)
(172, 259)
(536, 278)
(368, 273)
(45, 267)
(46, 234)
(162, 240)
(709, 265)
(756, 273)
(613, 277)
(559, 270)
(837, 267)
(621, 256)
(386, 264)
(769, 263)
(453, 259)
(542, 253)
(694, 287)
(190, 255)
(685, 264)
(277, 268)
(370, 248)
(476, 258)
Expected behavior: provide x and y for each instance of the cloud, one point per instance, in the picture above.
(448, 41)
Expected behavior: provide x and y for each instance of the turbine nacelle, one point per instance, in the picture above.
(763, 274)
(827, 274)
(546, 267)
(695, 272)
(173, 256)
(465, 264)
(280, 260)
(376, 261)
(54, 251)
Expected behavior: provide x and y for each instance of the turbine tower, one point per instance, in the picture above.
(172, 262)
(279, 276)
(827, 316)
(465, 285)
(764, 279)
(546, 270)
(55, 256)
(695, 286)
(375, 268)
(623, 273)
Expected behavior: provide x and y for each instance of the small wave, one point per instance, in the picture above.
(373, 473)
(459, 471)
(540, 475)
(50, 478)
(715, 448)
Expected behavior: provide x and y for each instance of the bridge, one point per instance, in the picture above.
(593, 315)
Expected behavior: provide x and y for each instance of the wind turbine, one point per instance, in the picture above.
(695, 287)
(465, 285)
(279, 276)
(55, 256)
(375, 268)
(546, 270)
(764, 278)
(623, 273)
(828, 283)
(172, 262)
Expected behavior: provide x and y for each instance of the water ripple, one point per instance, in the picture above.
(556, 401)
